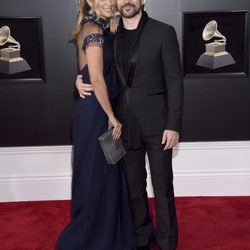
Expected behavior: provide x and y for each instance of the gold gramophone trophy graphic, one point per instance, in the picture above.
(216, 55)
(10, 60)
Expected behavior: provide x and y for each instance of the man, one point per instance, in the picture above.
(150, 108)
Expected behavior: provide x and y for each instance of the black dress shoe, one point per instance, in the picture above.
(147, 247)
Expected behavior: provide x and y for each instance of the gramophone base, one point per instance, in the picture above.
(14, 67)
(215, 61)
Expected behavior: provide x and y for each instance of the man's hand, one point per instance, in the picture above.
(83, 89)
(170, 138)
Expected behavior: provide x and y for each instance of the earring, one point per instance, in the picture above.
(91, 12)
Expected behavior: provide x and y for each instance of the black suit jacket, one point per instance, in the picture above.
(156, 95)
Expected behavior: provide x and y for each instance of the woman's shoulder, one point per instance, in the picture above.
(93, 23)
(92, 33)
(90, 28)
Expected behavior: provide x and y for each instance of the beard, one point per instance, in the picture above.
(132, 12)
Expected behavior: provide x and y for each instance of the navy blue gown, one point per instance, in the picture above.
(100, 214)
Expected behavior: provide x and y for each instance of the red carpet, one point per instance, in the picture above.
(217, 223)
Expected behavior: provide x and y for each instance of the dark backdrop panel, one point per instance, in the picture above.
(215, 109)
(33, 114)
(27, 31)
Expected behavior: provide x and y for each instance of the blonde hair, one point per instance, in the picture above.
(82, 9)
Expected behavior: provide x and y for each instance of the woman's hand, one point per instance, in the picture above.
(117, 127)
(83, 89)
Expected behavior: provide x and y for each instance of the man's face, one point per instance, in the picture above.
(129, 8)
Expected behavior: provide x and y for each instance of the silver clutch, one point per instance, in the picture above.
(113, 149)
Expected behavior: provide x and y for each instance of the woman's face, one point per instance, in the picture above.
(105, 7)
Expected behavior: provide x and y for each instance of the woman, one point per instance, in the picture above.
(100, 218)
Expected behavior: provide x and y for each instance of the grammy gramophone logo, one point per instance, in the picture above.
(11, 61)
(216, 55)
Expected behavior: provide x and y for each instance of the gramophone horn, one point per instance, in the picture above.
(5, 37)
(211, 31)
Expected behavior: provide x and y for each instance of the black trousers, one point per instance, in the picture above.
(162, 180)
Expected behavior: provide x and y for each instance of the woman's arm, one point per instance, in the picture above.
(95, 66)
(94, 59)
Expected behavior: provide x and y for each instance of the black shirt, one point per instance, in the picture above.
(127, 42)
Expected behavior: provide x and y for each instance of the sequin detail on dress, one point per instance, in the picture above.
(95, 39)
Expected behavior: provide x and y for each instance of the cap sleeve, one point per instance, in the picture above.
(94, 39)
(92, 35)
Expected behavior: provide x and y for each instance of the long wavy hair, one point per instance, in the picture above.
(82, 10)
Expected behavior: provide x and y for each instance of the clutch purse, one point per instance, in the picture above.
(113, 149)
